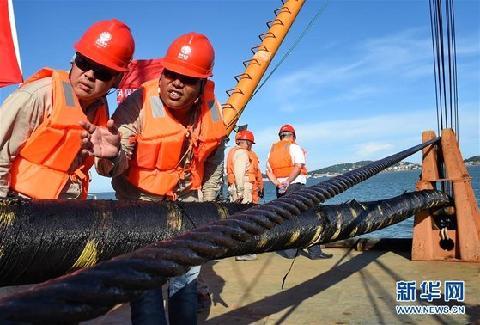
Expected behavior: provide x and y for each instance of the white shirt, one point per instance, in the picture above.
(298, 157)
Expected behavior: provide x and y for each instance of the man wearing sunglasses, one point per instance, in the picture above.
(41, 153)
(172, 136)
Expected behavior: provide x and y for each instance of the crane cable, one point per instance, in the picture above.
(445, 65)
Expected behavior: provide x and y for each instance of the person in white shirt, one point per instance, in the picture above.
(286, 168)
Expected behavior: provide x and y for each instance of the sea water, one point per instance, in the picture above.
(382, 186)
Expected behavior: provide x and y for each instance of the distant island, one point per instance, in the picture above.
(473, 160)
(338, 169)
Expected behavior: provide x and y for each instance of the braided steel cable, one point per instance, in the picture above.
(89, 293)
(329, 223)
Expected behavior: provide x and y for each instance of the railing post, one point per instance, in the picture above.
(467, 212)
(464, 243)
(425, 239)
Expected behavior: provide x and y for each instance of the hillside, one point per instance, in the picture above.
(340, 168)
(345, 167)
(473, 160)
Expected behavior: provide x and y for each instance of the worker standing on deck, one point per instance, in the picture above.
(245, 183)
(40, 144)
(172, 137)
(286, 168)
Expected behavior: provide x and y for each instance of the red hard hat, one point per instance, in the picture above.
(191, 55)
(109, 43)
(287, 128)
(245, 135)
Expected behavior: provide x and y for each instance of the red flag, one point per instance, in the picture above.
(139, 71)
(10, 69)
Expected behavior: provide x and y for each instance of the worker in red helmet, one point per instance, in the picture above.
(41, 154)
(286, 168)
(172, 136)
(245, 183)
(286, 162)
(243, 173)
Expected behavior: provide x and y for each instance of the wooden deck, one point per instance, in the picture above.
(352, 287)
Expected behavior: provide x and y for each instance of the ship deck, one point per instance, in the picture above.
(352, 287)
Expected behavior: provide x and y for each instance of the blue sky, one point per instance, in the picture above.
(359, 86)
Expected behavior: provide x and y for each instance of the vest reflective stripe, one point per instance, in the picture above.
(280, 160)
(68, 93)
(41, 169)
(254, 174)
(157, 163)
(157, 107)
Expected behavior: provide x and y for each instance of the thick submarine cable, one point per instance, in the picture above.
(324, 224)
(89, 293)
(45, 239)
(329, 223)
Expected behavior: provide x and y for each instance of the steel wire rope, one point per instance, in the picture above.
(436, 65)
(454, 69)
(446, 81)
(445, 77)
(436, 26)
(440, 62)
(91, 292)
(450, 72)
(442, 58)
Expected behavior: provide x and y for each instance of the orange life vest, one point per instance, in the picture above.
(280, 160)
(158, 163)
(40, 169)
(254, 173)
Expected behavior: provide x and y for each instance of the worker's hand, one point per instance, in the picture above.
(283, 187)
(261, 193)
(99, 141)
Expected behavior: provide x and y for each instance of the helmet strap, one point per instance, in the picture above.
(200, 94)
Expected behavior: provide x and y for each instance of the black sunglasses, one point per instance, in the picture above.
(184, 79)
(99, 72)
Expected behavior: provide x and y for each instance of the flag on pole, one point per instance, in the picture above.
(10, 66)
(139, 71)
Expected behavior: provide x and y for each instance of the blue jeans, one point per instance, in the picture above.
(182, 302)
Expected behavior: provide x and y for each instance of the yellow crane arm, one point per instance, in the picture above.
(258, 64)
